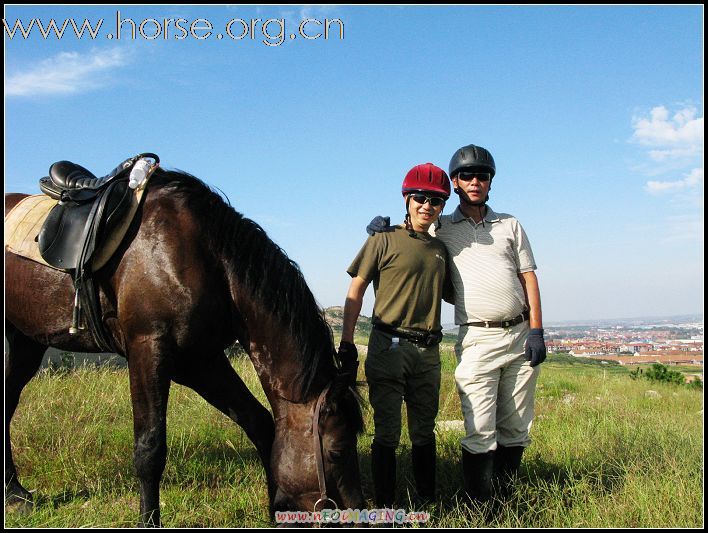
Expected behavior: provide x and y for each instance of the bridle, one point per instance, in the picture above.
(317, 441)
(319, 461)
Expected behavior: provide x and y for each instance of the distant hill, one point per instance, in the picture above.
(335, 316)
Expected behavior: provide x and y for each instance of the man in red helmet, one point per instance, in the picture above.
(408, 267)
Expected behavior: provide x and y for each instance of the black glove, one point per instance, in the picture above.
(348, 356)
(535, 347)
(379, 225)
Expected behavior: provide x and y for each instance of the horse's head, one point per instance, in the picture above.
(310, 479)
(277, 320)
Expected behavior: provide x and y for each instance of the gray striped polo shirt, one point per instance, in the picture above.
(485, 260)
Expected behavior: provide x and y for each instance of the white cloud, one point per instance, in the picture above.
(683, 132)
(67, 73)
(673, 143)
(692, 180)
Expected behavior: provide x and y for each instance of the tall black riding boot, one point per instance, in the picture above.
(478, 469)
(506, 469)
(383, 471)
(423, 459)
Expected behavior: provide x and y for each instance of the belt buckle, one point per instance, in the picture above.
(506, 324)
(486, 324)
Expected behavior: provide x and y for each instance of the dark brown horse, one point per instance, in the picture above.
(192, 277)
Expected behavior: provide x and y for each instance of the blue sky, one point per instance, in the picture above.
(594, 116)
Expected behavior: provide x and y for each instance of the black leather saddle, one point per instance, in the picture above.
(88, 211)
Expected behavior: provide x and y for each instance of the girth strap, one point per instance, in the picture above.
(84, 282)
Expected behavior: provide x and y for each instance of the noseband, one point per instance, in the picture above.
(318, 451)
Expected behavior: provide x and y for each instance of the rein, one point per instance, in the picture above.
(318, 451)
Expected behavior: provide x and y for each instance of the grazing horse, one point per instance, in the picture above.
(192, 277)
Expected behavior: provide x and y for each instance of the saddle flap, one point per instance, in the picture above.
(74, 229)
(61, 238)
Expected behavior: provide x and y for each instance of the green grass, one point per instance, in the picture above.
(605, 453)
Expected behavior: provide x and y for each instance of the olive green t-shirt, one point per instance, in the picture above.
(408, 275)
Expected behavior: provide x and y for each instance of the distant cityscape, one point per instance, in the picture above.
(675, 340)
(669, 340)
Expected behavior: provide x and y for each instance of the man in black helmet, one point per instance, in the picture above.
(500, 342)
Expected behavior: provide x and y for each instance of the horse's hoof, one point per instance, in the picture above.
(15, 504)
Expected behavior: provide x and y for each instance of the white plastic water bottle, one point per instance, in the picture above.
(395, 343)
(138, 173)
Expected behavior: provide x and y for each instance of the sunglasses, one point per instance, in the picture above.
(434, 201)
(469, 176)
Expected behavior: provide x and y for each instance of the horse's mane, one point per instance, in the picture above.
(263, 269)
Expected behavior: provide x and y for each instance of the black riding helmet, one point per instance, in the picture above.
(474, 158)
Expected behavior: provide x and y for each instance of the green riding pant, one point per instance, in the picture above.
(409, 373)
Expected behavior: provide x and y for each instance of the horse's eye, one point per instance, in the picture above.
(336, 456)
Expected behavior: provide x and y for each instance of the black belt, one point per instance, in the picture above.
(431, 338)
(501, 323)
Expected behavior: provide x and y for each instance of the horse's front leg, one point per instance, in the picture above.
(149, 390)
(213, 377)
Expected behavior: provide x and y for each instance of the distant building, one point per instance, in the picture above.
(636, 347)
(662, 359)
(586, 352)
(668, 353)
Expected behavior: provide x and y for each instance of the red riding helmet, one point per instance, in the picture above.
(426, 178)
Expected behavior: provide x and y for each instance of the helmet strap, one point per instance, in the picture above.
(409, 226)
(480, 205)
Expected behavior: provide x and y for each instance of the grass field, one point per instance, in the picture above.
(608, 451)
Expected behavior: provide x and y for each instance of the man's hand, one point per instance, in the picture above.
(535, 347)
(379, 225)
(348, 355)
(347, 352)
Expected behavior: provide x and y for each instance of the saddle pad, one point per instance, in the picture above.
(22, 225)
(23, 222)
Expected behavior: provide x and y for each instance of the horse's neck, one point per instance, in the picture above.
(272, 354)
(273, 349)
